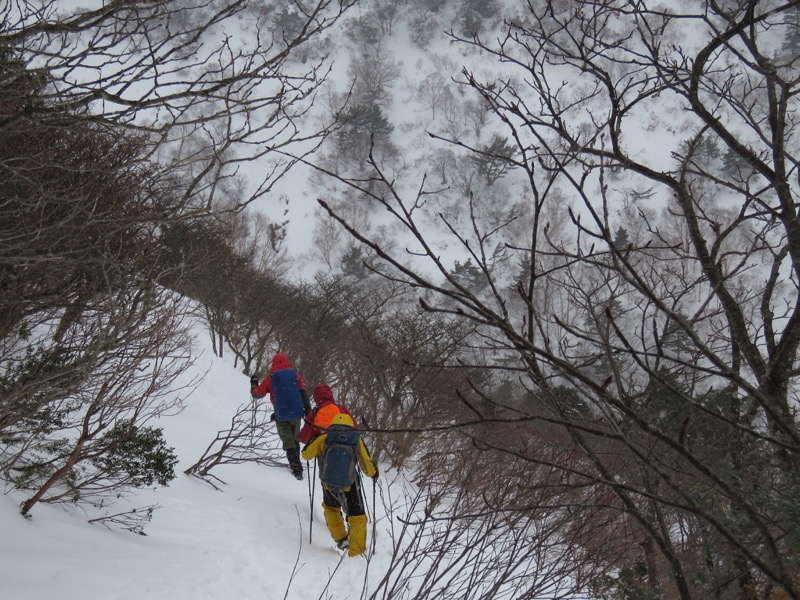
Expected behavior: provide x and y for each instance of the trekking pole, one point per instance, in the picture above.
(310, 499)
(361, 492)
(374, 520)
(374, 514)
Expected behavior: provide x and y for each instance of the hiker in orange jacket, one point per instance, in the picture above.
(354, 539)
(317, 421)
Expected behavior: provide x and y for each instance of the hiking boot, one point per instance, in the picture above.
(293, 456)
(343, 544)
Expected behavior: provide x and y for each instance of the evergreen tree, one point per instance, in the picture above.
(363, 126)
(791, 45)
(139, 456)
(494, 159)
(353, 264)
(468, 275)
(621, 239)
(474, 12)
(287, 23)
(736, 166)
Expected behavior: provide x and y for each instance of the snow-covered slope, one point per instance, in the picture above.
(250, 540)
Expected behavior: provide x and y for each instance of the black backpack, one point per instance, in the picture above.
(338, 468)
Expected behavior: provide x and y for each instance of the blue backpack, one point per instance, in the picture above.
(338, 468)
(288, 402)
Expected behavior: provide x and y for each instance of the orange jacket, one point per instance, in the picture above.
(320, 418)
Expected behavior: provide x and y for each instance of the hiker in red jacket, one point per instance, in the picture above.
(317, 421)
(289, 399)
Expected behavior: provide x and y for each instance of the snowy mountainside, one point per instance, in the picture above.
(422, 98)
(249, 540)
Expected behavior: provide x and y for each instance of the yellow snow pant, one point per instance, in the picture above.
(358, 535)
(335, 522)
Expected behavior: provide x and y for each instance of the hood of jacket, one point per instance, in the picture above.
(322, 395)
(280, 362)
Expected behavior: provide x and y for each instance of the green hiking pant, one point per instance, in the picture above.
(289, 431)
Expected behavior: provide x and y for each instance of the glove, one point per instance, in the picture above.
(376, 473)
(272, 417)
(254, 380)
